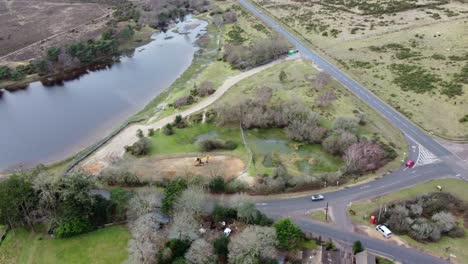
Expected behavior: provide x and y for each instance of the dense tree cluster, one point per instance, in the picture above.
(66, 205)
(262, 51)
(427, 217)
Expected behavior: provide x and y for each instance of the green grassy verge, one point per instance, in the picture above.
(107, 245)
(319, 215)
(456, 187)
(309, 244)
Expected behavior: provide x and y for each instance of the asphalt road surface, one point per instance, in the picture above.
(298, 208)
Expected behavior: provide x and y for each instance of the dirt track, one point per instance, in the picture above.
(115, 148)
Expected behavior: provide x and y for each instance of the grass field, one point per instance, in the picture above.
(186, 140)
(433, 38)
(107, 245)
(319, 215)
(456, 187)
(300, 87)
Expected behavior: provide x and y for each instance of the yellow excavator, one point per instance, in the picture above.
(199, 162)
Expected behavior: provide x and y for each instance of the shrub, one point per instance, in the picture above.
(364, 156)
(217, 184)
(140, 148)
(72, 227)
(445, 221)
(221, 213)
(220, 246)
(289, 235)
(117, 176)
(182, 101)
(337, 142)
(463, 119)
(4, 72)
(139, 133)
(357, 247)
(283, 76)
(53, 54)
(414, 78)
(172, 192)
(348, 124)
(452, 89)
(150, 132)
(215, 144)
(206, 88)
(236, 186)
(457, 231)
(168, 130)
(230, 17)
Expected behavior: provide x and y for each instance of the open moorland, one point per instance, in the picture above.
(412, 54)
(23, 23)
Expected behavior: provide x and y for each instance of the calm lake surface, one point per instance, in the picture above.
(45, 124)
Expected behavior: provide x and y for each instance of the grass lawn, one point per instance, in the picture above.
(185, 140)
(309, 244)
(319, 215)
(107, 245)
(456, 187)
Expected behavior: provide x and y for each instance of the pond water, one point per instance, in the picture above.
(207, 135)
(42, 124)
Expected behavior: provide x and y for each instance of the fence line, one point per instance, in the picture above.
(100, 144)
(247, 168)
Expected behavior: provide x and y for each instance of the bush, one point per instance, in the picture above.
(220, 246)
(463, 119)
(452, 89)
(414, 78)
(289, 235)
(217, 184)
(72, 227)
(172, 192)
(215, 144)
(206, 88)
(182, 101)
(117, 176)
(337, 142)
(140, 148)
(221, 213)
(53, 54)
(168, 130)
(364, 156)
(150, 132)
(357, 247)
(456, 232)
(348, 124)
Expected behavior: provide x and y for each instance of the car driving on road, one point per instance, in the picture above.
(317, 197)
(409, 163)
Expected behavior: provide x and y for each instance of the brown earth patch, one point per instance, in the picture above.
(159, 168)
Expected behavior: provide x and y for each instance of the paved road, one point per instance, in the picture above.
(448, 165)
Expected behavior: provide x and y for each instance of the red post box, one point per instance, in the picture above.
(372, 220)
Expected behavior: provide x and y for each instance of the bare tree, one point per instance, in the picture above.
(147, 240)
(364, 156)
(184, 225)
(200, 252)
(144, 201)
(322, 79)
(325, 99)
(192, 199)
(253, 242)
(230, 17)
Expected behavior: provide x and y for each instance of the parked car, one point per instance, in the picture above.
(384, 231)
(410, 163)
(317, 197)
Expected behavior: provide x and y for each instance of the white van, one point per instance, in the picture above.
(384, 231)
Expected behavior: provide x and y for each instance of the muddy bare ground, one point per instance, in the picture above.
(28, 28)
